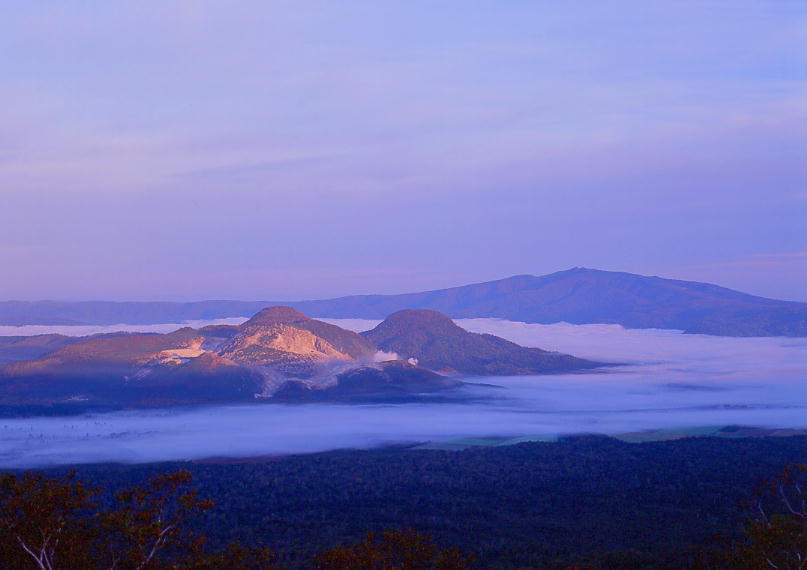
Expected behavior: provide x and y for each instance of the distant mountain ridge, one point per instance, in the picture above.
(578, 296)
(590, 296)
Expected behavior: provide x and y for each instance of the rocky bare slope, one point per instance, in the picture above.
(210, 364)
(278, 354)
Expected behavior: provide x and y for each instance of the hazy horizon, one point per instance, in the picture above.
(801, 297)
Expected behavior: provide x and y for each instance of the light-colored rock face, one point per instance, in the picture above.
(279, 343)
(176, 356)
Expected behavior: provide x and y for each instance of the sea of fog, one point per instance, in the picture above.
(669, 380)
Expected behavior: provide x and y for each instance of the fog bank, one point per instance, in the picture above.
(672, 381)
(86, 330)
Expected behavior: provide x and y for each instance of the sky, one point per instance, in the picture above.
(291, 150)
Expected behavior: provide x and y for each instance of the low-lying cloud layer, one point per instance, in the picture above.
(672, 381)
(86, 330)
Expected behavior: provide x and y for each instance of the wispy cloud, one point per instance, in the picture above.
(432, 135)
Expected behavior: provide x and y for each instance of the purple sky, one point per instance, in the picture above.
(286, 150)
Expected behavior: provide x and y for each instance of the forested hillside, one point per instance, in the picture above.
(586, 499)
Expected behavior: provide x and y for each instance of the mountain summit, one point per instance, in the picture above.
(279, 352)
(577, 295)
(286, 329)
(587, 296)
(277, 315)
(437, 343)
